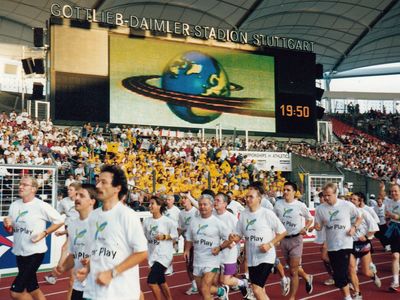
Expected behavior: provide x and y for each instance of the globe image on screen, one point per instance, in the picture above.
(195, 73)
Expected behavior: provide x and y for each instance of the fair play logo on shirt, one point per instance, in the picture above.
(332, 215)
(99, 228)
(249, 224)
(79, 235)
(186, 220)
(153, 230)
(200, 230)
(21, 214)
(287, 211)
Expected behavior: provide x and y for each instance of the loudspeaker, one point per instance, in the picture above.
(37, 91)
(320, 112)
(27, 64)
(77, 23)
(38, 37)
(319, 71)
(39, 66)
(318, 93)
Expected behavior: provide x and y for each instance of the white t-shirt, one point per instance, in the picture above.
(266, 203)
(368, 224)
(372, 212)
(173, 213)
(78, 241)
(185, 218)
(258, 228)
(236, 208)
(292, 215)
(160, 251)
(28, 220)
(393, 207)
(380, 212)
(67, 206)
(337, 222)
(229, 255)
(205, 234)
(113, 236)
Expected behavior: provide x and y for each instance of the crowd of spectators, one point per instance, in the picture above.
(156, 162)
(375, 122)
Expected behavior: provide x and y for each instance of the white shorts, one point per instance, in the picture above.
(200, 271)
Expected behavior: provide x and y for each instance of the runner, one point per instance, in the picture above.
(160, 232)
(27, 218)
(393, 232)
(66, 206)
(116, 244)
(186, 216)
(229, 255)
(262, 230)
(362, 247)
(292, 214)
(77, 237)
(336, 216)
(380, 211)
(204, 235)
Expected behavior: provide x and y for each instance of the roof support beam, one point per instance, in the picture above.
(364, 33)
(251, 10)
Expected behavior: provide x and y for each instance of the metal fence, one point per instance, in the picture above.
(10, 176)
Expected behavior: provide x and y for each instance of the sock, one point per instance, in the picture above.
(220, 292)
(194, 285)
(241, 283)
(396, 278)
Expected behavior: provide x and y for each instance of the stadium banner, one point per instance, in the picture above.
(281, 161)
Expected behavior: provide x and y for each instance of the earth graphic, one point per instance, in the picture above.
(195, 73)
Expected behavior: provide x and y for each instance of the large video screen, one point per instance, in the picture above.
(172, 83)
(108, 75)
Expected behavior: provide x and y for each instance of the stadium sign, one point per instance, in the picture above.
(281, 161)
(180, 28)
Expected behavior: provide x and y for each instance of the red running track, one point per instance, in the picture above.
(312, 264)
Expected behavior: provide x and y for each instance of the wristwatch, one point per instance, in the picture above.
(114, 273)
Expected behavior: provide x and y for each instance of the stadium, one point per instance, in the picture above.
(199, 149)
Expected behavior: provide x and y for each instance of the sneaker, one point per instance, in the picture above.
(394, 287)
(309, 284)
(192, 291)
(357, 296)
(247, 293)
(225, 296)
(50, 279)
(329, 282)
(285, 286)
(251, 296)
(372, 267)
(246, 290)
(377, 280)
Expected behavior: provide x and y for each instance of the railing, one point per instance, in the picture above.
(10, 176)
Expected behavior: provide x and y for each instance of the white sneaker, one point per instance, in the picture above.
(50, 279)
(192, 291)
(394, 287)
(225, 296)
(329, 282)
(377, 280)
(357, 296)
(285, 286)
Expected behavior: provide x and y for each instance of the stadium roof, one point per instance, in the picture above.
(348, 34)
